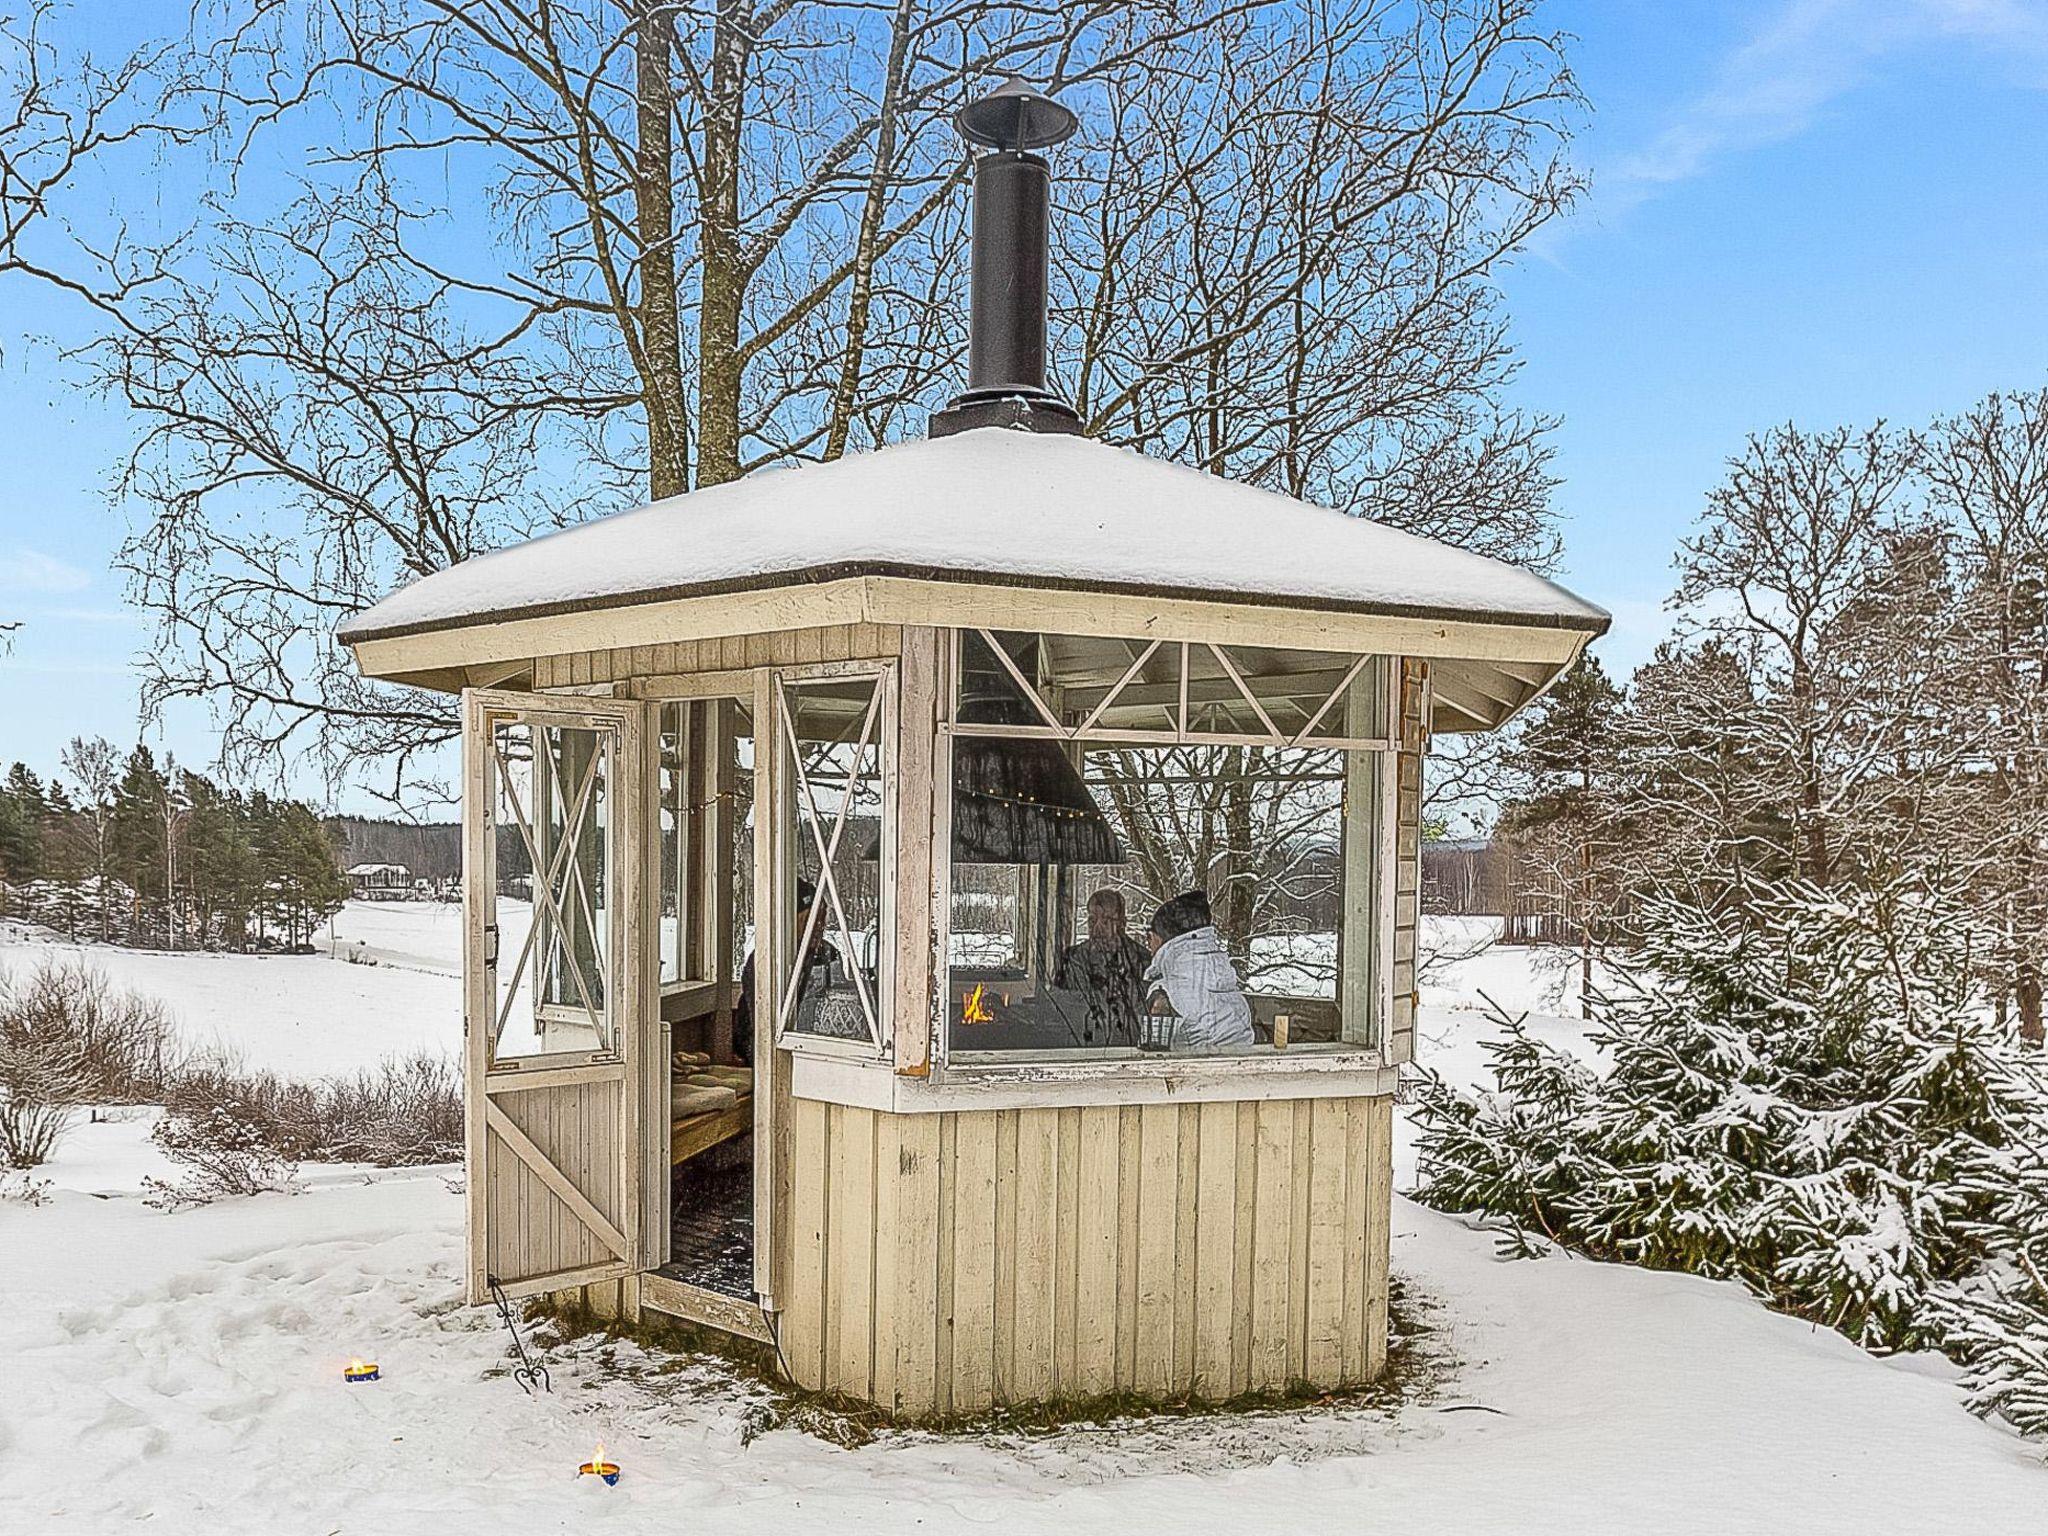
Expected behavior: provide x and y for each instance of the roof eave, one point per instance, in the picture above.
(1499, 663)
(354, 634)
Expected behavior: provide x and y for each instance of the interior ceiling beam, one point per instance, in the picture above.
(1474, 681)
(1317, 686)
(1449, 690)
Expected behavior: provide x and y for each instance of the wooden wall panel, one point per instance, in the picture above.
(531, 1232)
(949, 1264)
(778, 648)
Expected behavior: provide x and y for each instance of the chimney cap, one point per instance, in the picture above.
(1015, 116)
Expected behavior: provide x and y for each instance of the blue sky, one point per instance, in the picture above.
(1815, 210)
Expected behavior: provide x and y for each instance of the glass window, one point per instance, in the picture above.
(837, 840)
(549, 935)
(677, 810)
(1114, 898)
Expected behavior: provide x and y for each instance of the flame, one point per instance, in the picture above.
(598, 1459)
(974, 1008)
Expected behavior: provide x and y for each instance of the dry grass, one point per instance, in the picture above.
(1417, 1363)
(403, 1112)
(68, 1038)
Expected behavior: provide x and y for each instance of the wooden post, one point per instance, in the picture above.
(643, 1032)
(918, 966)
(480, 1002)
(1365, 931)
(770, 950)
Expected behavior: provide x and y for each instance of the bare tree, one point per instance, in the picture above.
(1793, 545)
(58, 115)
(1987, 472)
(1281, 249)
(562, 256)
(1256, 828)
(62, 112)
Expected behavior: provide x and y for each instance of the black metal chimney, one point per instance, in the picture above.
(1006, 383)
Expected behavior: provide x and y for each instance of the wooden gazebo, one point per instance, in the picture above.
(956, 688)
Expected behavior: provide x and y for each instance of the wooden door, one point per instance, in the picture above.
(556, 1006)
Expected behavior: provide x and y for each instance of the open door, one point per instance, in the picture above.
(556, 1008)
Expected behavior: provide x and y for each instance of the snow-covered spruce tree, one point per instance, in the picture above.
(1509, 1153)
(1798, 1091)
(1996, 1320)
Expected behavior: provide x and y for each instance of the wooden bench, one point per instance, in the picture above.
(715, 1104)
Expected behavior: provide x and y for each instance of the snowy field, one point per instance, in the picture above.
(303, 1015)
(183, 1371)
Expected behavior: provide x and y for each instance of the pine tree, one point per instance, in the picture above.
(23, 814)
(1800, 1090)
(222, 874)
(303, 882)
(135, 839)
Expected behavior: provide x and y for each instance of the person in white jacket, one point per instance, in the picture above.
(1192, 980)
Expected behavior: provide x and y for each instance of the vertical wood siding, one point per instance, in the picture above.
(780, 648)
(578, 1129)
(950, 1263)
(1408, 854)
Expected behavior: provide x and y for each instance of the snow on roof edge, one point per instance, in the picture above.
(909, 494)
(1594, 623)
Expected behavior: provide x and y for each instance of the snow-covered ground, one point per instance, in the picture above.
(303, 1015)
(184, 1370)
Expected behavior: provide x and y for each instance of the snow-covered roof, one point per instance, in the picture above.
(990, 505)
(365, 870)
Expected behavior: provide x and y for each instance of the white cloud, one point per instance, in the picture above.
(1807, 55)
(30, 570)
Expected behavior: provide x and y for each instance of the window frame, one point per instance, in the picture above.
(1376, 832)
(785, 831)
(615, 732)
(689, 896)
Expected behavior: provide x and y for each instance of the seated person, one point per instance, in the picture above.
(1191, 978)
(1108, 969)
(820, 963)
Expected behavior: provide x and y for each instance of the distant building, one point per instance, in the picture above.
(379, 882)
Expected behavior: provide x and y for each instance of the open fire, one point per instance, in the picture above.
(974, 1006)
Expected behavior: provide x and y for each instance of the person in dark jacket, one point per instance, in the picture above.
(1108, 969)
(820, 955)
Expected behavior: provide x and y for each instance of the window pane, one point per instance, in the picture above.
(1050, 903)
(551, 812)
(674, 799)
(1288, 690)
(1093, 683)
(832, 741)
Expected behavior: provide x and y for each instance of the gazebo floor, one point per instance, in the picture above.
(711, 1227)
